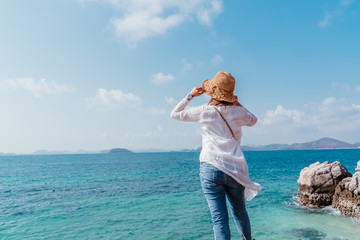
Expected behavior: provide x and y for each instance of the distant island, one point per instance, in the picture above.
(119, 150)
(322, 143)
(112, 151)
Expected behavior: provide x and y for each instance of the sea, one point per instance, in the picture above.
(157, 196)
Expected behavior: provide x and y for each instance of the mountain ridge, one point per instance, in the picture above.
(322, 143)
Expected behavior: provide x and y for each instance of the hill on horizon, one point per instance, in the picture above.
(322, 143)
(119, 150)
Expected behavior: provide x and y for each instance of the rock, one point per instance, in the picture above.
(347, 196)
(358, 166)
(308, 233)
(318, 181)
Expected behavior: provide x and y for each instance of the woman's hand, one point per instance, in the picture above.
(197, 91)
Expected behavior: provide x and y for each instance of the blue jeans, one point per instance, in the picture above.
(216, 185)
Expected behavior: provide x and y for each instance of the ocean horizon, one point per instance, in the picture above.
(157, 196)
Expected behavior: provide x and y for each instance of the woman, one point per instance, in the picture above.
(223, 168)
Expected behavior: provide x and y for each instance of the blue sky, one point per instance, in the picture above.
(99, 74)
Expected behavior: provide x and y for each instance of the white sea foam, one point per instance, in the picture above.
(294, 201)
(330, 210)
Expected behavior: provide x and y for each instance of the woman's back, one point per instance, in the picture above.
(235, 116)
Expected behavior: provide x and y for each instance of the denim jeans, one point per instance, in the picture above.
(218, 186)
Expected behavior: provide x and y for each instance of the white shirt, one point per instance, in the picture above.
(219, 148)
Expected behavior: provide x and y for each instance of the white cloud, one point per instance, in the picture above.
(143, 24)
(346, 2)
(282, 116)
(170, 100)
(143, 18)
(329, 16)
(216, 60)
(344, 86)
(185, 66)
(326, 21)
(155, 111)
(206, 13)
(113, 98)
(161, 78)
(357, 88)
(328, 118)
(38, 88)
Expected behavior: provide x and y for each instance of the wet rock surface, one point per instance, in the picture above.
(347, 195)
(317, 183)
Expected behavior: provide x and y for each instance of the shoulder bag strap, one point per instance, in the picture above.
(227, 124)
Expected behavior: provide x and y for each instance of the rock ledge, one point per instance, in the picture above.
(324, 184)
(317, 183)
(347, 195)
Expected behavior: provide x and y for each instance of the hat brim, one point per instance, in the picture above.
(207, 86)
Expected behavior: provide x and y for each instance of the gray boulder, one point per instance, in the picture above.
(358, 166)
(347, 195)
(317, 183)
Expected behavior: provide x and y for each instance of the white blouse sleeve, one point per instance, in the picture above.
(249, 119)
(186, 115)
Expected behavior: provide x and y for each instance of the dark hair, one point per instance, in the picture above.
(216, 102)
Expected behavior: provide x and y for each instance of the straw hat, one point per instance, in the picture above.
(221, 87)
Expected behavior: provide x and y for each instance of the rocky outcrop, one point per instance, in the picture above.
(347, 195)
(317, 183)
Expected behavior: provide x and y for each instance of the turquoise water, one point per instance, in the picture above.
(156, 196)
